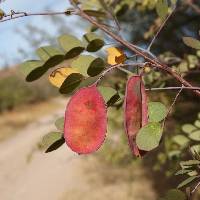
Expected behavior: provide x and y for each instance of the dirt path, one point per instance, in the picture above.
(61, 175)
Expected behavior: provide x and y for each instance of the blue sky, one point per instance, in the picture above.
(11, 40)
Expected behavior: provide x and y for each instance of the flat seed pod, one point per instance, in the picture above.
(58, 76)
(85, 121)
(135, 110)
(115, 56)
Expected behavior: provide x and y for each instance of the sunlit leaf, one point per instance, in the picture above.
(195, 135)
(162, 8)
(51, 55)
(183, 171)
(149, 136)
(157, 111)
(88, 65)
(107, 92)
(93, 42)
(71, 83)
(59, 123)
(115, 56)
(188, 128)
(58, 76)
(72, 46)
(187, 181)
(33, 69)
(181, 140)
(51, 141)
(192, 42)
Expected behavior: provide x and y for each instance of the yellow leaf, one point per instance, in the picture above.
(58, 76)
(115, 56)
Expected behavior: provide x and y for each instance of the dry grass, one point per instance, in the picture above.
(12, 121)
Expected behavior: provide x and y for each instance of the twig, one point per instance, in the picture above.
(195, 188)
(154, 62)
(160, 29)
(15, 15)
(136, 50)
(172, 105)
(173, 88)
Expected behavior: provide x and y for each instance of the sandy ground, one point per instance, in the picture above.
(61, 175)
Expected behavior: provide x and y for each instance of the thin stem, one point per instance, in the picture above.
(136, 50)
(15, 15)
(160, 29)
(173, 88)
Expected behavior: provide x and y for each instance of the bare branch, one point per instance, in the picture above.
(15, 15)
(160, 29)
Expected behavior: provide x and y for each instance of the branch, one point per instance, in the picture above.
(160, 29)
(15, 15)
(173, 88)
(136, 50)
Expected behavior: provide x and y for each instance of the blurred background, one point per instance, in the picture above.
(28, 110)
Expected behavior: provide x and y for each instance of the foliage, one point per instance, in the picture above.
(86, 71)
(11, 98)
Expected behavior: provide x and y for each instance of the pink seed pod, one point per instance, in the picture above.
(135, 111)
(85, 121)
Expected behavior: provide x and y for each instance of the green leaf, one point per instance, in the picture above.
(88, 81)
(187, 181)
(51, 140)
(175, 194)
(181, 140)
(93, 42)
(192, 42)
(195, 135)
(189, 163)
(71, 83)
(33, 69)
(107, 92)
(51, 55)
(55, 145)
(88, 65)
(188, 128)
(193, 173)
(157, 111)
(149, 136)
(72, 46)
(162, 8)
(195, 149)
(113, 100)
(197, 123)
(47, 52)
(183, 171)
(59, 123)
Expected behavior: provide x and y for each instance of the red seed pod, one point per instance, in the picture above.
(135, 110)
(85, 121)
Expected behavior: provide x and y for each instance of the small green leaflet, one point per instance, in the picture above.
(52, 141)
(162, 8)
(59, 123)
(149, 136)
(192, 42)
(187, 181)
(93, 42)
(188, 128)
(71, 83)
(157, 111)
